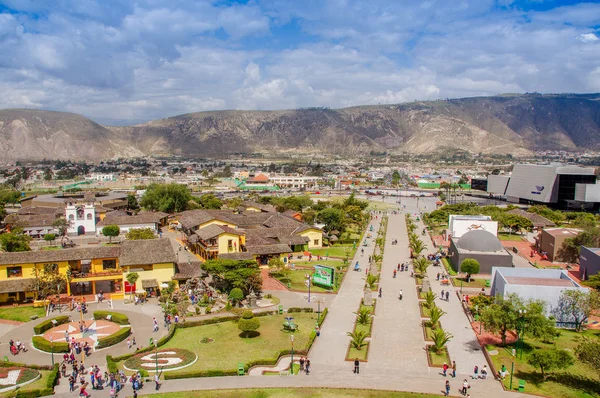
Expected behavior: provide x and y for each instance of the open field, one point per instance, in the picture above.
(294, 393)
(22, 313)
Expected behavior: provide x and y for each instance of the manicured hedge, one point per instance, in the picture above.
(34, 393)
(200, 373)
(52, 377)
(298, 309)
(111, 365)
(47, 324)
(114, 338)
(116, 317)
(44, 345)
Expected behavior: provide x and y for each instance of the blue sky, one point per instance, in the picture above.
(120, 62)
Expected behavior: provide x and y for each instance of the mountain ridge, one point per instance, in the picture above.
(515, 124)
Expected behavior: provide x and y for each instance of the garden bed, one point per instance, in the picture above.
(171, 358)
(424, 310)
(474, 283)
(437, 360)
(362, 355)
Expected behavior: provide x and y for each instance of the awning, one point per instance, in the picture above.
(149, 283)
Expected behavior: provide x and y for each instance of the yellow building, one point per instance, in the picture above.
(213, 240)
(88, 270)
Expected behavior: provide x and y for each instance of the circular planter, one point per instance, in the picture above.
(167, 359)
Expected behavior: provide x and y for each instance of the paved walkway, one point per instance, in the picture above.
(398, 341)
(329, 350)
(464, 347)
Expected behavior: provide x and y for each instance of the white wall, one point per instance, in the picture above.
(460, 227)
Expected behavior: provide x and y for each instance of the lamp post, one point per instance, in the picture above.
(319, 310)
(292, 362)
(521, 331)
(461, 283)
(307, 277)
(52, 349)
(156, 354)
(512, 368)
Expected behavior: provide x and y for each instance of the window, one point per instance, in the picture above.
(50, 267)
(109, 264)
(316, 242)
(89, 216)
(14, 272)
(230, 244)
(71, 217)
(79, 213)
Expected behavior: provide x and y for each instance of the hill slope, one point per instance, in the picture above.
(512, 124)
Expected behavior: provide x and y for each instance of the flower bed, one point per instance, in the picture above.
(13, 375)
(171, 358)
(437, 360)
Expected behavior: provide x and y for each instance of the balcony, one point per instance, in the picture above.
(97, 274)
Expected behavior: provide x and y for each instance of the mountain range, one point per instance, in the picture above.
(504, 124)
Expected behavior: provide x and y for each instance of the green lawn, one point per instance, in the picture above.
(448, 267)
(478, 283)
(329, 263)
(577, 381)
(336, 251)
(382, 206)
(365, 328)
(228, 349)
(362, 354)
(294, 393)
(424, 310)
(51, 248)
(439, 359)
(21, 314)
(297, 278)
(510, 237)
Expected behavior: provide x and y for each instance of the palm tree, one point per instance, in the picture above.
(372, 280)
(417, 246)
(430, 299)
(421, 265)
(376, 258)
(358, 339)
(435, 314)
(440, 338)
(412, 237)
(363, 315)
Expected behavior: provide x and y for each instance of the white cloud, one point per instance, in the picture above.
(587, 37)
(152, 58)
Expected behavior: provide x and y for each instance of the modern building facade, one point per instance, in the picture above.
(482, 246)
(536, 284)
(589, 262)
(550, 240)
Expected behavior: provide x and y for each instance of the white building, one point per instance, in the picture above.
(81, 218)
(101, 177)
(458, 225)
(300, 182)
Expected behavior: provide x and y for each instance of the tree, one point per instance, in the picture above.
(61, 225)
(539, 326)
(372, 280)
(49, 237)
(588, 352)
(236, 295)
(550, 359)
(281, 268)
(132, 202)
(309, 216)
(248, 323)
(48, 281)
(209, 201)
(435, 314)
(417, 247)
(514, 222)
(502, 316)
(111, 231)
(570, 248)
(430, 297)
(421, 264)
(132, 278)
(169, 198)
(470, 266)
(575, 306)
(440, 338)
(228, 274)
(395, 178)
(138, 234)
(363, 315)
(334, 219)
(15, 241)
(47, 174)
(358, 339)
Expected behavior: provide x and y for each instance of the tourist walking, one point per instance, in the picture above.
(380, 292)
(453, 368)
(465, 387)
(356, 366)
(475, 372)
(447, 296)
(307, 366)
(157, 381)
(155, 329)
(302, 364)
(445, 369)
(447, 388)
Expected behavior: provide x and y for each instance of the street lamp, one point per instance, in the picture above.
(292, 362)
(478, 317)
(52, 349)
(156, 354)
(319, 309)
(307, 282)
(512, 368)
(521, 331)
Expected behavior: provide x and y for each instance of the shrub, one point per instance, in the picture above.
(114, 338)
(52, 377)
(208, 309)
(116, 317)
(111, 364)
(248, 323)
(34, 393)
(47, 324)
(44, 345)
(236, 295)
(200, 373)
(298, 309)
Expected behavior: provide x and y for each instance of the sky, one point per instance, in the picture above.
(121, 62)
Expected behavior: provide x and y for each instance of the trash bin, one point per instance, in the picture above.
(521, 385)
(280, 309)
